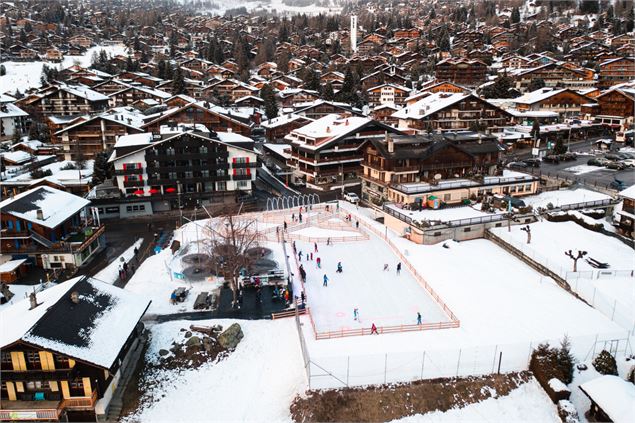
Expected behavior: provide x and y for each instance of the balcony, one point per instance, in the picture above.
(79, 403)
(245, 165)
(241, 177)
(136, 171)
(38, 374)
(131, 184)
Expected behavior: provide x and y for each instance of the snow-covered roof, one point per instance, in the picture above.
(11, 265)
(628, 192)
(230, 137)
(84, 92)
(94, 329)
(282, 120)
(57, 206)
(133, 140)
(18, 156)
(283, 150)
(429, 105)
(330, 127)
(538, 95)
(9, 110)
(614, 396)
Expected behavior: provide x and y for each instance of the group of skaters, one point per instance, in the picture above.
(387, 268)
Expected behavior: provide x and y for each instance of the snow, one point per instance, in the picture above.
(133, 140)
(564, 197)
(614, 395)
(582, 169)
(56, 206)
(327, 128)
(283, 150)
(21, 292)
(256, 382)
(526, 403)
(443, 215)
(110, 273)
(11, 265)
(110, 330)
(550, 240)
(63, 177)
(314, 232)
(557, 385)
(272, 6)
(25, 75)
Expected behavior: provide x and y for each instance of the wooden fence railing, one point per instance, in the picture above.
(386, 329)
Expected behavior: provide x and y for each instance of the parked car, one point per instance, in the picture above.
(351, 196)
(628, 155)
(613, 156)
(615, 166)
(569, 157)
(551, 158)
(594, 162)
(532, 162)
(518, 164)
(617, 184)
(628, 162)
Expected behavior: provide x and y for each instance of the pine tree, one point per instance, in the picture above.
(311, 80)
(269, 98)
(605, 363)
(566, 361)
(178, 82)
(515, 17)
(102, 170)
(328, 93)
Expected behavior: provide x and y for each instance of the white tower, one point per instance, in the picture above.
(353, 33)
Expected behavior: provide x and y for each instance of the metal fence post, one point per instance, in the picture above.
(458, 363)
(385, 367)
(614, 305)
(348, 366)
(423, 360)
(593, 300)
(494, 361)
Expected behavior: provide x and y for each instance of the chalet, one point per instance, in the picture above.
(451, 112)
(436, 86)
(214, 118)
(320, 108)
(468, 72)
(326, 154)
(388, 94)
(626, 216)
(12, 121)
(617, 71)
(66, 100)
(406, 33)
(53, 54)
(384, 114)
(554, 75)
(277, 128)
(622, 41)
(68, 349)
(98, 134)
(51, 227)
(617, 102)
(80, 41)
(135, 92)
(291, 96)
(564, 101)
(183, 163)
(403, 168)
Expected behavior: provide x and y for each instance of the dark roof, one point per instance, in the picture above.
(424, 146)
(66, 322)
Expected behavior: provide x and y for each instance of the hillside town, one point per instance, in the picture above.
(317, 210)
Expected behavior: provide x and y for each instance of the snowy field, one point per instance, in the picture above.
(272, 6)
(257, 382)
(527, 403)
(549, 241)
(582, 169)
(24, 75)
(563, 197)
(383, 298)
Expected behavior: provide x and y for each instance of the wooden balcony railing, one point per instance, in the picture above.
(76, 403)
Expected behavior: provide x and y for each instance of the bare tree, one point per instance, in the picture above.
(232, 240)
(575, 258)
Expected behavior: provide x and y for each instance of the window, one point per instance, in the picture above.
(6, 358)
(62, 259)
(189, 174)
(205, 173)
(242, 184)
(220, 172)
(447, 197)
(32, 357)
(203, 149)
(221, 186)
(172, 176)
(467, 230)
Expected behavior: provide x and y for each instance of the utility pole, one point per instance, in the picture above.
(178, 195)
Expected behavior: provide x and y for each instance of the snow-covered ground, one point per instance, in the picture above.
(110, 273)
(257, 382)
(272, 6)
(315, 232)
(382, 297)
(549, 241)
(582, 169)
(527, 403)
(24, 75)
(564, 197)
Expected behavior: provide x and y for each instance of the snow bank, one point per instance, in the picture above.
(257, 382)
(564, 197)
(110, 273)
(526, 403)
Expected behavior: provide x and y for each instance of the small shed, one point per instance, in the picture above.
(12, 270)
(612, 399)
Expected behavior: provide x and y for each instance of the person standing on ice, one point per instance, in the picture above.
(315, 246)
(355, 314)
(300, 217)
(300, 255)
(386, 267)
(285, 225)
(339, 267)
(373, 330)
(418, 318)
(319, 262)
(326, 280)
(398, 268)
(293, 217)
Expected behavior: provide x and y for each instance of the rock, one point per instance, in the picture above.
(231, 337)
(163, 352)
(188, 334)
(194, 340)
(217, 328)
(208, 344)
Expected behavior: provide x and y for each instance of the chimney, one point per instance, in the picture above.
(75, 297)
(40, 214)
(328, 129)
(33, 300)
(390, 143)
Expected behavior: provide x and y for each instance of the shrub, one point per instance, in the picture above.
(567, 412)
(40, 173)
(553, 363)
(605, 363)
(69, 166)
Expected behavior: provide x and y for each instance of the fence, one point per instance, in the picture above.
(582, 283)
(332, 372)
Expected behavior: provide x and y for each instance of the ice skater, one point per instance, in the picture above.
(315, 246)
(418, 318)
(300, 255)
(319, 262)
(328, 241)
(326, 281)
(386, 267)
(398, 268)
(356, 314)
(373, 330)
(300, 217)
(311, 256)
(339, 267)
